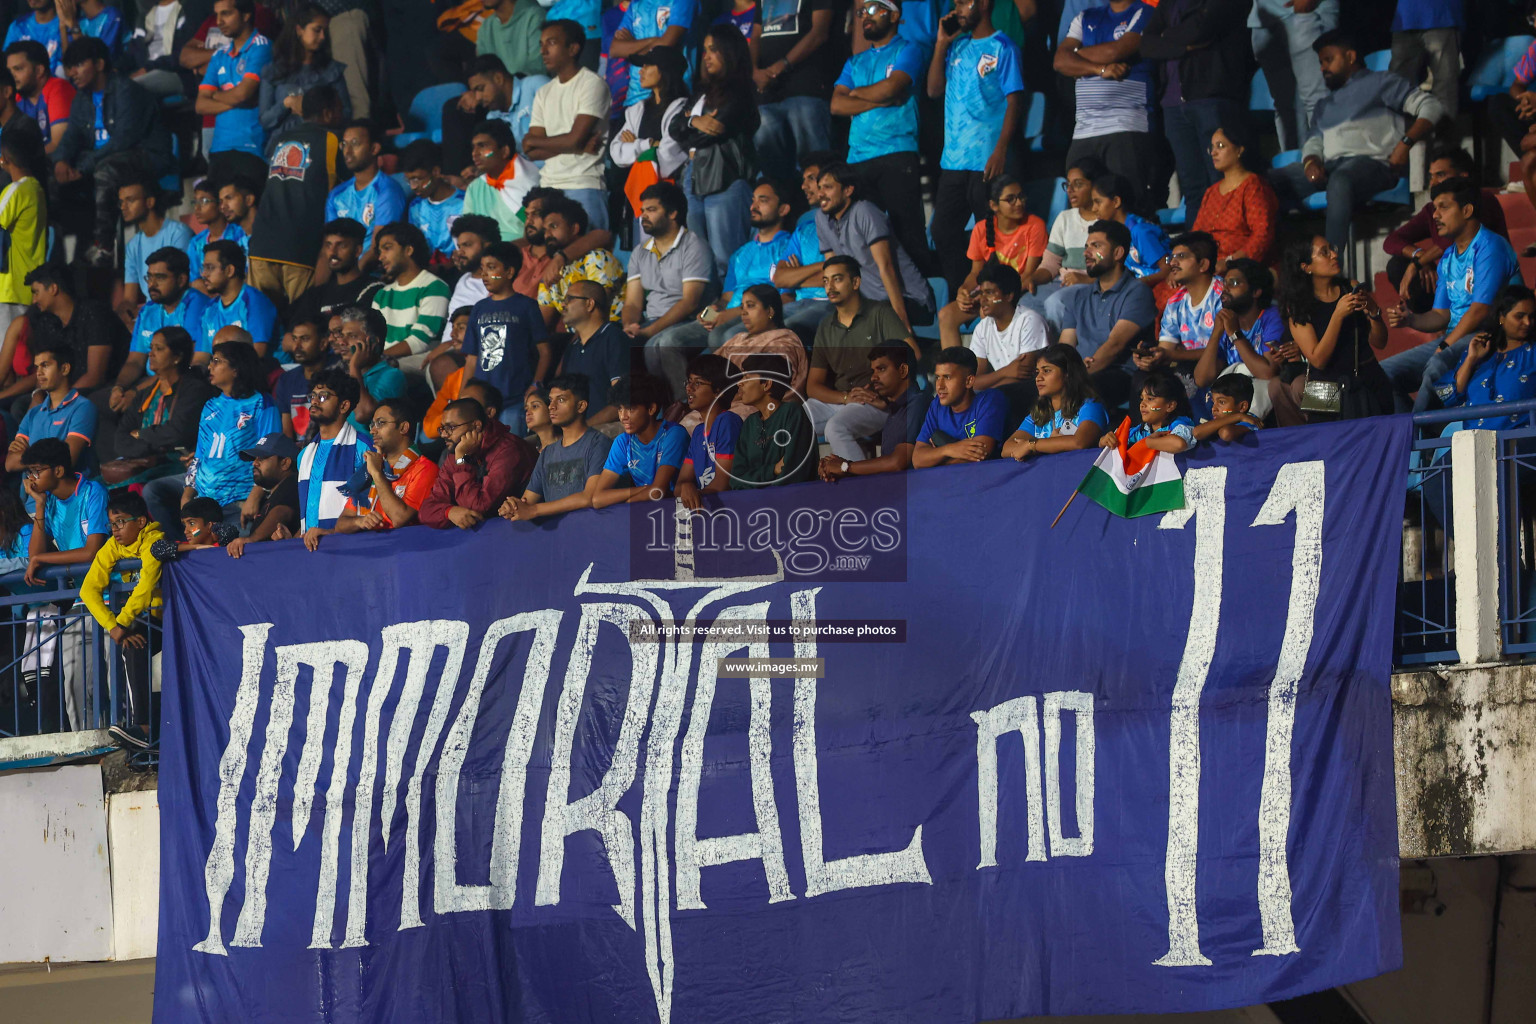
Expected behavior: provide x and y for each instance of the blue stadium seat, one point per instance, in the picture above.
(1171, 215)
(1378, 60)
(1045, 198)
(1398, 193)
(940, 300)
(1494, 72)
(425, 119)
(1058, 201)
(1259, 97)
(170, 182)
(1034, 121)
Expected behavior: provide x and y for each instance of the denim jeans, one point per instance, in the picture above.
(1190, 126)
(668, 352)
(793, 125)
(724, 220)
(1282, 43)
(1417, 369)
(1351, 182)
(595, 202)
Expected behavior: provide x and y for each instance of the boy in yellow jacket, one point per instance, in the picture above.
(133, 533)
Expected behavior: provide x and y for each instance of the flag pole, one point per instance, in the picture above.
(1073, 497)
(1063, 510)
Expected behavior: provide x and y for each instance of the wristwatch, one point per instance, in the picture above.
(1407, 141)
(843, 466)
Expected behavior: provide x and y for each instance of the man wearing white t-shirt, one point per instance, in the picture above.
(568, 127)
(1009, 337)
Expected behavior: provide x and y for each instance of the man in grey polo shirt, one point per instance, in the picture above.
(846, 226)
(669, 279)
(1110, 315)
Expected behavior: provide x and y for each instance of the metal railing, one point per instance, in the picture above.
(59, 669)
(1426, 611)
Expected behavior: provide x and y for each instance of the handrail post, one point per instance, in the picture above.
(1475, 535)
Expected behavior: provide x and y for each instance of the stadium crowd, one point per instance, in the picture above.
(272, 273)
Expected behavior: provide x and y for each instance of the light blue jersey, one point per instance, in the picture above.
(980, 75)
(436, 220)
(187, 314)
(884, 130)
(382, 201)
(251, 310)
(195, 248)
(810, 252)
(753, 263)
(1477, 275)
(45, 32)
(227, 427)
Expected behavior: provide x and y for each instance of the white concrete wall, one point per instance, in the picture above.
(55, 881)
(133, 827)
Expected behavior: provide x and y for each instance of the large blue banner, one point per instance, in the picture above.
(980, 768)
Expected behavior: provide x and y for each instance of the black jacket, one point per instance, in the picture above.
(719, 160)
(131, 115)
(179, 429)
(1211, 42)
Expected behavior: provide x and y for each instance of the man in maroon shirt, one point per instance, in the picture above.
(482, 465)
(1415, 247)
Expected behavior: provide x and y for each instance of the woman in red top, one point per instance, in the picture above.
(1012, 234)
(1240, 211)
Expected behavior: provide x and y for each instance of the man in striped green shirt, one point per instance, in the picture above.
(414, 301)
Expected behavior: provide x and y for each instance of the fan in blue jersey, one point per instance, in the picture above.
(74, 509)
(977, 71)
(42, 26)
(232, 83)
(172, 303)
(206, 211)
(649, 24)
(644, 461)
(437, 204)
(232, 421)
(235, 303)
(372, 198)
(964, 425)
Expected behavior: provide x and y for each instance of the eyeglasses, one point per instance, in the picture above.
(321, 395)
(354, 144)
(33, 472)
(1179, 257)
(873, 9)
(120, 524)
(447, 429)
(1015, 199)
(377, 424)
(1073, 183)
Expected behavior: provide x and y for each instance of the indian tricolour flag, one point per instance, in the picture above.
(1134, 480)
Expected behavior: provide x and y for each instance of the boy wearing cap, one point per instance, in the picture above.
(274, 460)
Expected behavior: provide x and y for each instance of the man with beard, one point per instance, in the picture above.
(334, 453)
(1111, 314)
(891, 369)
(752, 264)
(290, 229)
(876, 91)
(372, 198)
(534, 244)
(668, 277)
(849, 225)
(40, 94)
(399, 479)
(311, 350)
(347, 285)
(471, 234)
(504, 177)
(414, 301)
(171, 304)
(1357, 146)
(274, 469)
(1247, 328)
(235, 303)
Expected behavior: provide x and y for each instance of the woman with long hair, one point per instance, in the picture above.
(1068, 414)
(233, 420)
(662, 71)
(301, 60)
(23, 216)
(1010, 234)
(1240, 210)
(1336, 325)
(1062, 265)
(1499, 365)
(764, 333)
(716, 129)
(163, 410)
